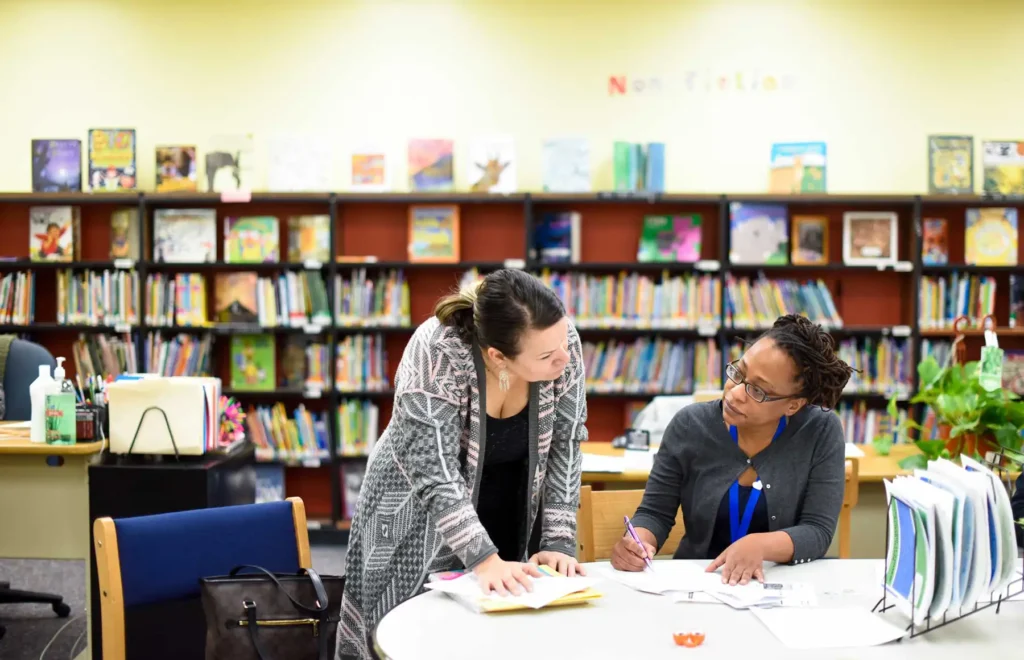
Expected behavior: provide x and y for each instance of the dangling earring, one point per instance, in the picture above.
(503, 380)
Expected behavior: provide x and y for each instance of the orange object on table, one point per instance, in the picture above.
(688, 639)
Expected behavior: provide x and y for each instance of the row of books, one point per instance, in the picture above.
(98, 355)
(179, 354)
(254, 364)
(884, 365)
(107, 297)
(655, 366)
(752, 303)
(943, 299)
(272, 485)
(304, 435)
(361, 300)
(863, 423)
(17, 298)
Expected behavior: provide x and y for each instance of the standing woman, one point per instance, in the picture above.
(483, 442)
(759, 474)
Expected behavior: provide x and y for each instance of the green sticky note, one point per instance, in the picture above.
(990, 376)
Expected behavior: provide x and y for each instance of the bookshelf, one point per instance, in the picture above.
(875, 304)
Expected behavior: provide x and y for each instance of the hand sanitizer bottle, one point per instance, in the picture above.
(37, 394)
(61, 420)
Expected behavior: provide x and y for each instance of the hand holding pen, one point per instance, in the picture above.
(631, 553)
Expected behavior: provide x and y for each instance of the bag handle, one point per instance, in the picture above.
(323, 653)
(318, 588)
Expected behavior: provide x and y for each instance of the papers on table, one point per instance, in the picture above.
(687, 583)
(547, 590)
(951, 539)
(629, 461)
(828, 628)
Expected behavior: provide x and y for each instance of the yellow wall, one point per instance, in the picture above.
(871, 78)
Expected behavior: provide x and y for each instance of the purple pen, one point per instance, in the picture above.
(632, 532)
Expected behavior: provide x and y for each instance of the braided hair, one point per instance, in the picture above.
(823, 376)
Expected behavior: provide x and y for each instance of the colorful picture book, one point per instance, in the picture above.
(370, 169)
(309, 238)
(253, 363)
(990, 237)
(759, 234)
(870, 238)
(56, 166)
(566, 165)
(431, 166)
(798, 167)
(934, 242)
(251, 240)
(124, 234)
(185, 235)
(950, 164)
(670, 238)
(434, 233)
(176, 169)
(491, 166)
(810, 240)
(236, 298)
(556, 237)
(54, 233)
(112, 164)
(1002, 165)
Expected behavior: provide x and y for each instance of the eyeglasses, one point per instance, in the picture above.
(732, 372)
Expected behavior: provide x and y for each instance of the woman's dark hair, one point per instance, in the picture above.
(498, 309)
(822, 374)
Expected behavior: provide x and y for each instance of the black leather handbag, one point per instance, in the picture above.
(259, 615)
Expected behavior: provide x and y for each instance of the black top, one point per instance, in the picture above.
(501, 505)
(721, 538)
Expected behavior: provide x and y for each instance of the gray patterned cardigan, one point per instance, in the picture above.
(416, 512)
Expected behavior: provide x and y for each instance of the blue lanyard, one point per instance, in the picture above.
(738, 528)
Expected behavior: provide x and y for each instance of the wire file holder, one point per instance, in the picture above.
(929, 623)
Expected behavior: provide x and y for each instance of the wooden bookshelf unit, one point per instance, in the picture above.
(370, 231)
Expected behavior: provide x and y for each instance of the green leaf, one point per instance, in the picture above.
(931, 448)
(882, 444)
(958, 429)
(928, 371)
(892, 408)
(914, 461)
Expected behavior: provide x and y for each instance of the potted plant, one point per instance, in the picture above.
(972, 419)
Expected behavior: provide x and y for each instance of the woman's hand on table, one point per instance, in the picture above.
(627, 555)
(741, 561)
(504, 577)
(559, 561)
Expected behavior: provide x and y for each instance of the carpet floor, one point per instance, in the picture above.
(34, 632)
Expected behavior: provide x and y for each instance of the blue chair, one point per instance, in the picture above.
(149, 567)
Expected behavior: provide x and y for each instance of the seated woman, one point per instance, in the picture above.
(760, 473)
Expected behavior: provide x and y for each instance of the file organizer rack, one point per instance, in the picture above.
(1015, 588)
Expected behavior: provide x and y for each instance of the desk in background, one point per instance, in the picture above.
(628, 624)
(868, 519)
(44, 496)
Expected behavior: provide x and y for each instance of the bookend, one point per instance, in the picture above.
(1015, 588)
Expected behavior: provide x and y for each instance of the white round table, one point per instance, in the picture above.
(629, 625)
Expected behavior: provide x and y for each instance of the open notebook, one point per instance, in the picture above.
(550, 590)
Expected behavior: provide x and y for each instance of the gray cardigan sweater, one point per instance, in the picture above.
(803, 472)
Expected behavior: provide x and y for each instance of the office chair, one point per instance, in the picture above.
(19, 363)
(149, 567)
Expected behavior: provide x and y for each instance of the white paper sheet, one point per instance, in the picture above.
(607, 464)
(545, 589)
(827, 628)
(679, 581)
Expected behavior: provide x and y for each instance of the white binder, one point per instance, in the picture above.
(161, 407)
